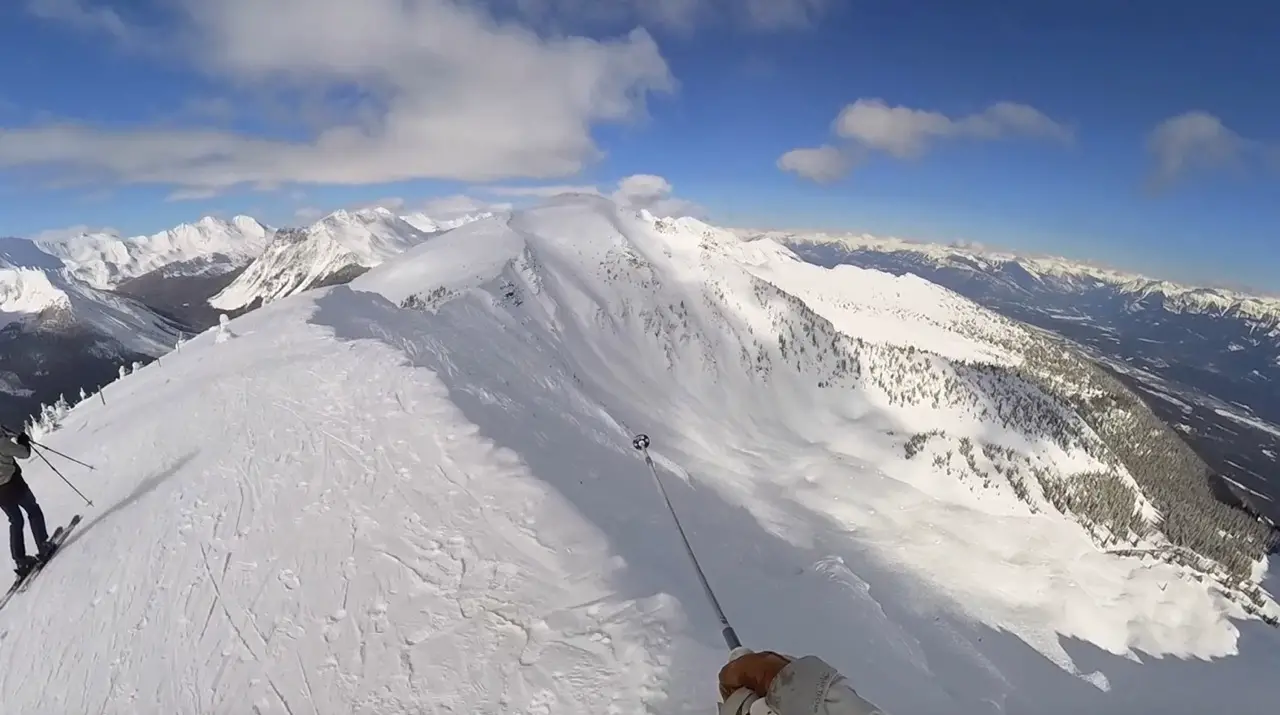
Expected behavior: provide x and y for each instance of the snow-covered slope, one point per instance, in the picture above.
(437, 507)
(298, 259)
(428, 224)
(209, 246)
(36, 292)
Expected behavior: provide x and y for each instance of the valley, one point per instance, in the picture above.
(1208, 368)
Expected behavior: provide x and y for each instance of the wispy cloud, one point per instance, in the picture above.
(499, 101)
(681, 15)
(654, 194)
(191, 194)
(83, 15)
(540, 191)
(872, 125)
(447, 207)
(61, 234)
(1198, 141)
(904, 133)
(823, 164)
(308, 214)
(649, 192)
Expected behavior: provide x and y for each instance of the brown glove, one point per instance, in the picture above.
(753, 670)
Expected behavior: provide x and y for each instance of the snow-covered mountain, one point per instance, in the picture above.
(58, 334)
(337, 247)
(37, 291)
(418, 491)
(208, 247)
(1204, 357)
(1031, 273)
(428, 224)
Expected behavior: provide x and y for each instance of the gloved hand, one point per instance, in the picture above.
(754, 671)
(23, 439)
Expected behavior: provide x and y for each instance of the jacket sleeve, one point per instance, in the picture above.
(9, 448)
(808, 686)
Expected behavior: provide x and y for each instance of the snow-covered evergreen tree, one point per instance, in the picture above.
(224, 331)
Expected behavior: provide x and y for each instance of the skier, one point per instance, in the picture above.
(16, 497)
(803, 686)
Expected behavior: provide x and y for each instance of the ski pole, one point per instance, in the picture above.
(743, 702)
(641, 442)
(90, 467)
(55, 471)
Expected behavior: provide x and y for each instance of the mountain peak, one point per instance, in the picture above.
(341, 244)
(212, 244)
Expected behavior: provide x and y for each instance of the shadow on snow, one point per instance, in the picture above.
(833, 597)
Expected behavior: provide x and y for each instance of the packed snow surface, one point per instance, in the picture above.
(104, 260)
(345, 506)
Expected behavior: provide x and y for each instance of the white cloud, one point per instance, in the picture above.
(539, 191)
(82, 16)
(391, 203)
(447, 207)
(653, 194)
(308, 214)
(906, 133)
(823, 164)
(871, 125)
(447, 92)
(770, 14)
(191, 194)
(60, 234)
(684, 15)
(1194, 141)
(638, 191)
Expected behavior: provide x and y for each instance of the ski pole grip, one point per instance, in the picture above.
(731, 638)
(743, 702)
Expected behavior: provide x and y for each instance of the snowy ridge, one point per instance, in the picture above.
(1263, 310)
(391, 509)
(427, 224)
(36, 291)
(298, 259)
(209, 246)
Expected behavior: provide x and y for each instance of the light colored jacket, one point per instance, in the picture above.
(9, 451)
(806, 686)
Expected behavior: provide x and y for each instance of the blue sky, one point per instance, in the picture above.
(1141, 136)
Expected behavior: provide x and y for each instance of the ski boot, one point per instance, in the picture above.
(25, 566)
(46, 551)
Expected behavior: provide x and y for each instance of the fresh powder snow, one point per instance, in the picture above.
(417, 493)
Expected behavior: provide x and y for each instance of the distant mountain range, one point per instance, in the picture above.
(72, 310)
(1208, 359)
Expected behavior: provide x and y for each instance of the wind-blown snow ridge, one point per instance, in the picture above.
(1176, 297)
(428, 224)
(210, 246)
(298, 259)
(417, 491)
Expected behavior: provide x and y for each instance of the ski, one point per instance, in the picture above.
(59, 536)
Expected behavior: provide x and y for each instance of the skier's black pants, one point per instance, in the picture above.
(16, 497)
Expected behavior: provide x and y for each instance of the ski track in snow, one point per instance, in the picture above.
(350, 507)
(318, 559)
